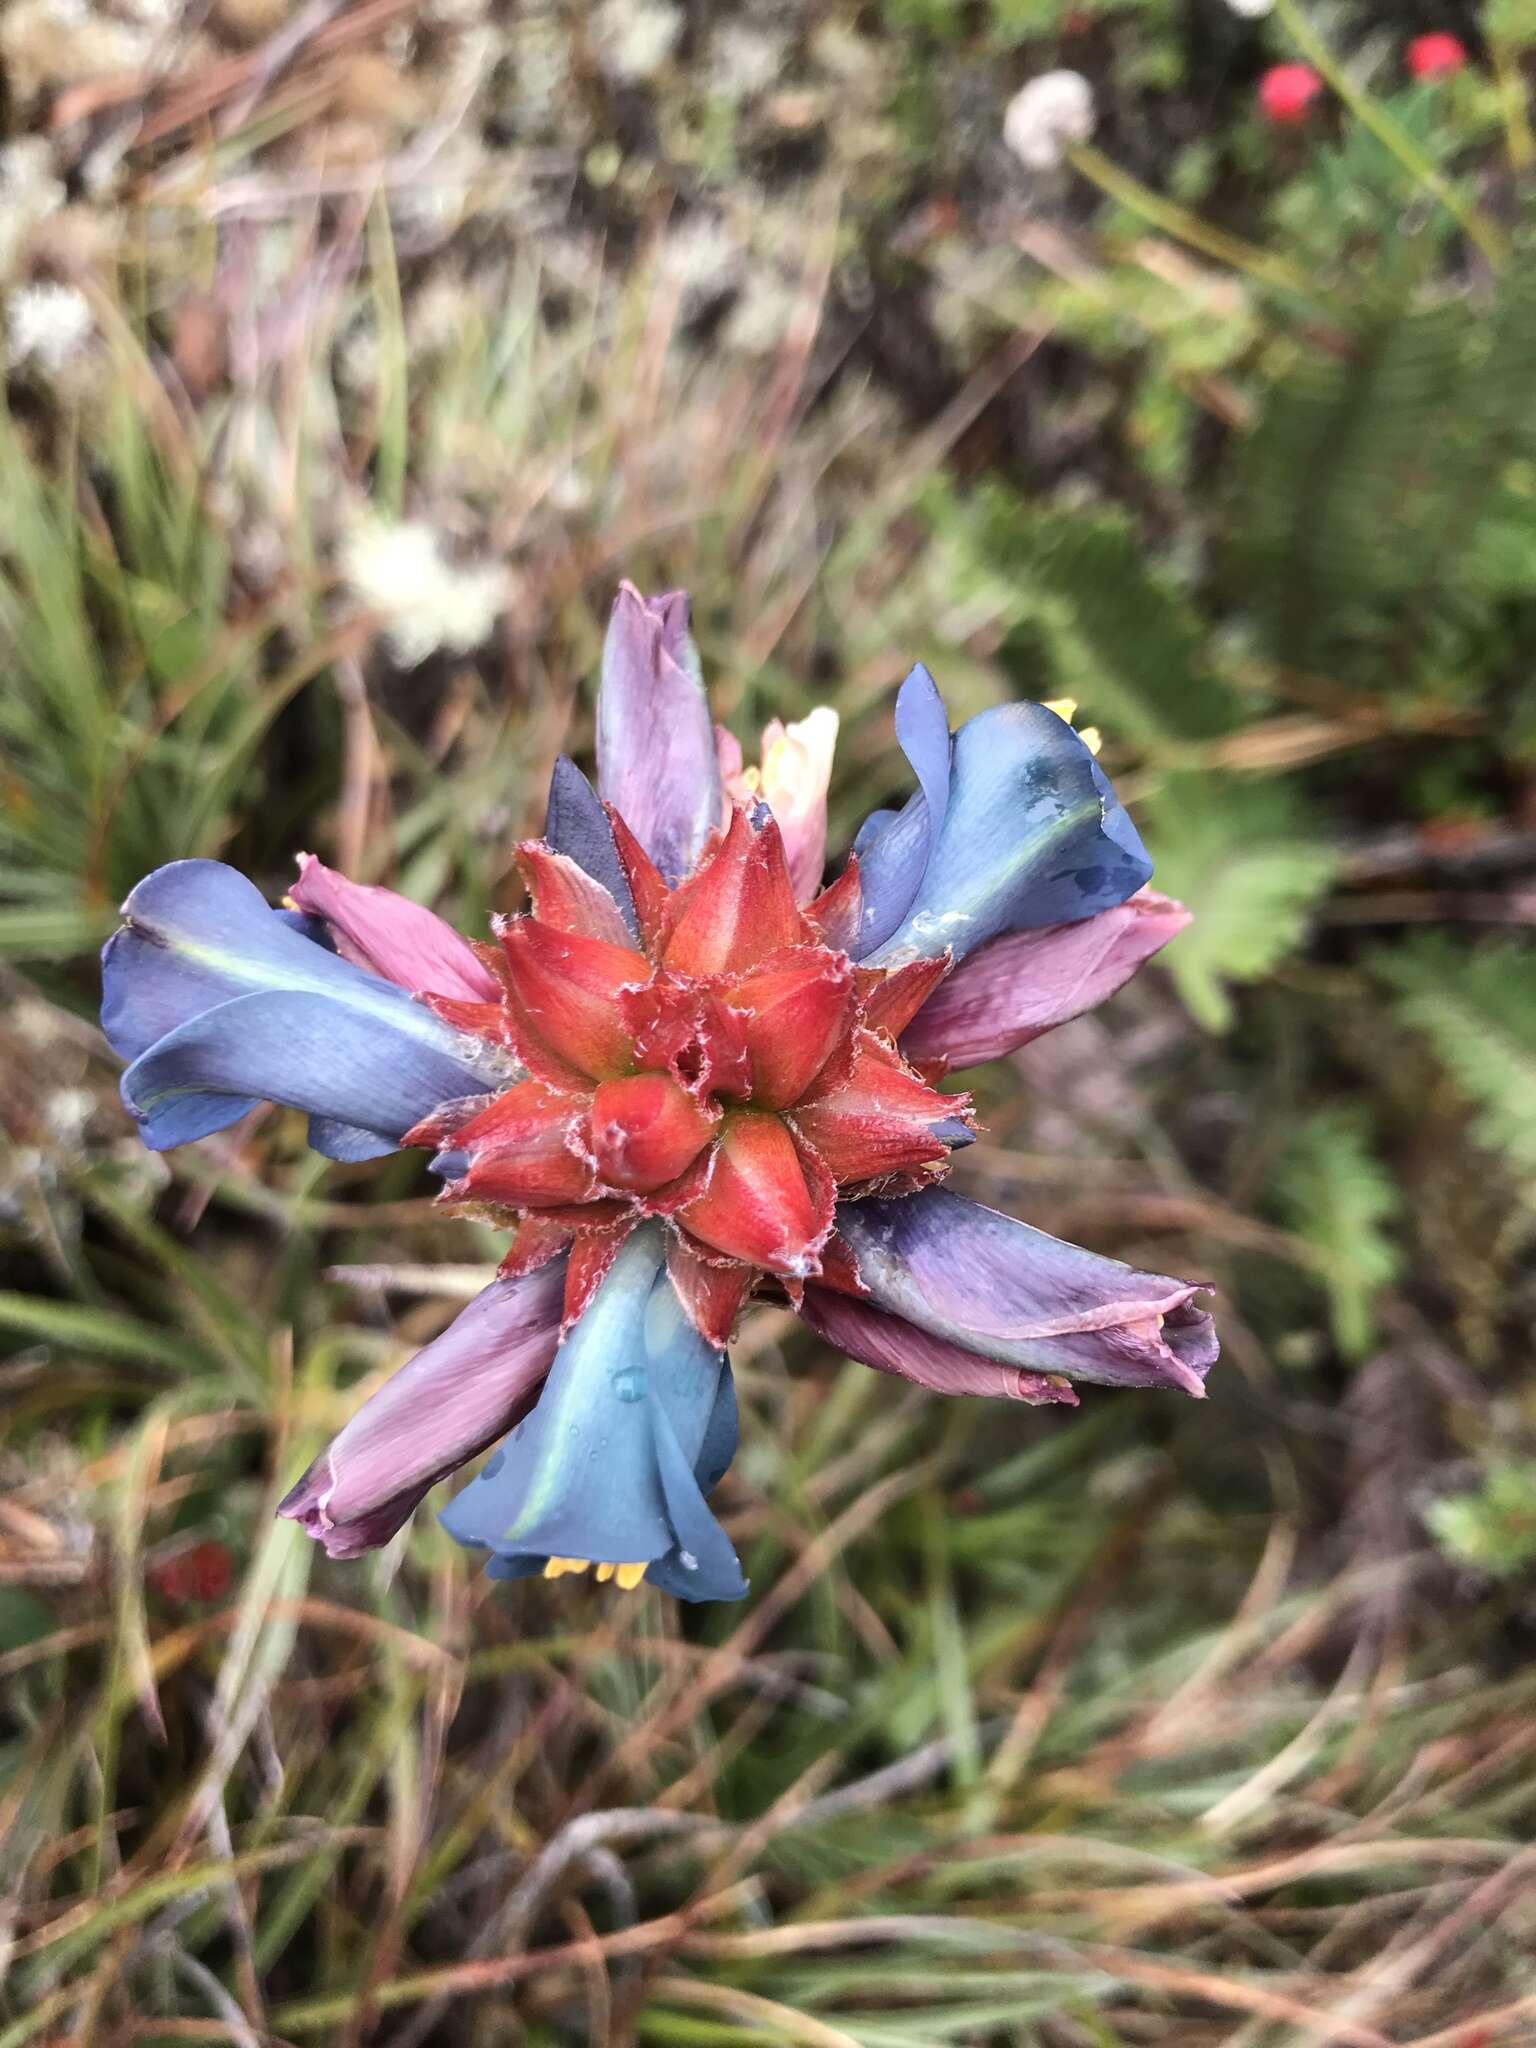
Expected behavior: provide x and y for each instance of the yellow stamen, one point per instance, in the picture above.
(557, 1567)
(289, 904)
(1066, 707)
(625, 1576)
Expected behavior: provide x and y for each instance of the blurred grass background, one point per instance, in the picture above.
(354, 351)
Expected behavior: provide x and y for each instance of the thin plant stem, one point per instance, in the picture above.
(1389, 133)
(1183, 225)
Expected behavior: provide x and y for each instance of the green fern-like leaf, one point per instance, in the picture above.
(1246, 867)
(1492, 1527)
(1378, 461)
(1478, 1006)
(1117, 632)
(1333, 1191)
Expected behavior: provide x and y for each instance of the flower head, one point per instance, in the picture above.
(1048, 117)
(48, 325)
(684, 1074)
(1286, 92)
(1435, 55)
(426, 601)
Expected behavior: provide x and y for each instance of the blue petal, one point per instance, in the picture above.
(199, 934)
(577, 826)
(609, 1465)
(348, 1142)
(1033, 835)
(892, 858)
(200, 937)
(347, 1067)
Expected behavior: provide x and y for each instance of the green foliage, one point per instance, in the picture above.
(1477, 1005)
(1241, 859)
(1492, 1526)
(1384, 500)
(1332, 1190)
(1021, 1700)
(136, 705)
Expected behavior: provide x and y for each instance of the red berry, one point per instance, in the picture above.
(1436, 55)
(211, 1571)
(1286, 91)
(202, 1573)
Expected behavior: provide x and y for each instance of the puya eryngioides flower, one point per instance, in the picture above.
(685, 1074)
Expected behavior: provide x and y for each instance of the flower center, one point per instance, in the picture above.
(703, 1054)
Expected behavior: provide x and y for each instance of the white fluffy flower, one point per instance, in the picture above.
(743, 61)
(47, 324)
(427, 602)
(1251, 10)
(701, 258)
(634, 38)
(1053, 112)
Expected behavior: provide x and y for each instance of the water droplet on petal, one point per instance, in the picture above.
(629, 1383)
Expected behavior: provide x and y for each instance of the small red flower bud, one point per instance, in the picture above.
(759, 1206)
(646, 1130)
(1286, 91)
(1435, 55)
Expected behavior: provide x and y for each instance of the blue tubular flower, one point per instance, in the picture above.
(681, 1077)
(1031, 834)
(636, 1422)
(218, 1003)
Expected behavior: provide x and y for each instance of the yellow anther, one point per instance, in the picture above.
(625, 1576)
(289, 904)
(557, 1567)
(1066, 707)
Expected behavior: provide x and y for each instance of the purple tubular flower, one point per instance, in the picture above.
(1016, 987)
(389, 935)
(686, 1075)
(656, 759)
(454, 1398)
(891, 1344)
(999, 1289)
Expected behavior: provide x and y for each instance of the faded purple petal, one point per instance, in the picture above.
(891, 1344)
(1018, 986)
(1000, 1289)
(390, 935)
(656, 759)
(464, 1390)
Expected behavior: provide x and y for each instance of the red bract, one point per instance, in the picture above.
(1286, 91)
(1435, 55)
(731, 1071)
